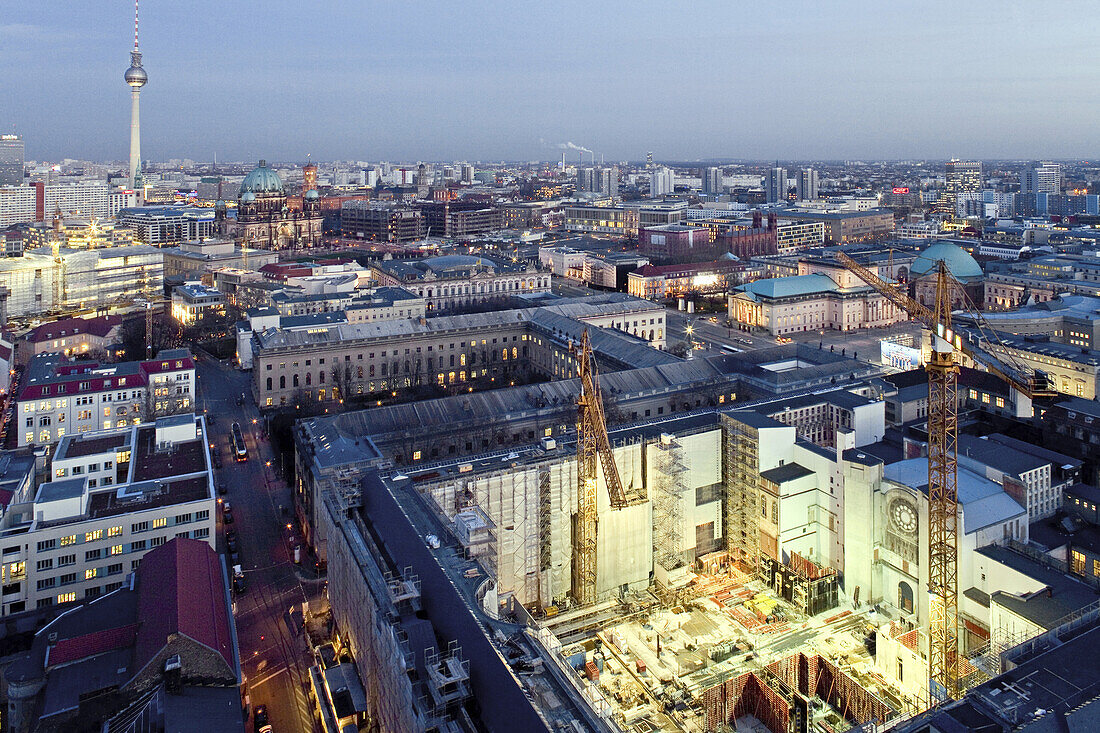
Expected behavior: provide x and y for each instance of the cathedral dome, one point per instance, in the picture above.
(262, 180)
(312, 195)
(248, 197)
(959, 263)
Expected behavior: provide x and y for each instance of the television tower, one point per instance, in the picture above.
(135, 78)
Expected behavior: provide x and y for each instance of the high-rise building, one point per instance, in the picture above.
(775, 187)
(649, 161)
(712, 180)
(608, 182)
(807, 184)
(661, 181)
(586, 179)
(17, 205)
(11, 160)
(963, 176)
(1041, 177)
(136, 79)
(467, 173)
(80, 198)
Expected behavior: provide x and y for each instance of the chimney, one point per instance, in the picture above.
(173, 673)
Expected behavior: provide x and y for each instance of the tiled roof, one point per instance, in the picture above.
(88, 645)
(181, 591)
(101, 327)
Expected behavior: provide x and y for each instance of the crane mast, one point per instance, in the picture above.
(593, 449)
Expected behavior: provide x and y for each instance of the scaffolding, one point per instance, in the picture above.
(668, 503)
(811, 588)
(740, 476)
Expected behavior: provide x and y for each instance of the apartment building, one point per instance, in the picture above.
(60, 398)
(112, 496)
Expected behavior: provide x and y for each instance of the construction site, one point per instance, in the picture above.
(741, 567)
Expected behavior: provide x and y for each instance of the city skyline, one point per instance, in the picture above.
(447, 83)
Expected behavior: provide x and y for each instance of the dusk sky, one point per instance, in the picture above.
(510, 80)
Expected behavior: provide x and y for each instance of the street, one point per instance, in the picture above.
(275, 655)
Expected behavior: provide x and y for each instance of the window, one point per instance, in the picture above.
(202, 533)
(44, 565)
(92, 555)
(64, 560)
(1077, 562)
(137, 546)
(93, 535)
(204, 514)
(66, 597)
(160, 522)
(46, 545)
(89, 574)
(67, 578)
(114, 569)
(47, 583)
(156, 542)
(183, 518)
(139, 527)
(68, 540)
(116, 549)
(114, 531)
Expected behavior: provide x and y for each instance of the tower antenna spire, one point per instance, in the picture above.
(135, 25)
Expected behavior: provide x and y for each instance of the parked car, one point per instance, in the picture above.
(227, 513)
(240, 586)
(231, 542)
(259, 719)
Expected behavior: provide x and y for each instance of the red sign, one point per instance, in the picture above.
(901, 189)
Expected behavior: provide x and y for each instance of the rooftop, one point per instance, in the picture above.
(1067, 594)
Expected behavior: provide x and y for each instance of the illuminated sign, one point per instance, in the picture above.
(901, 189)
(899, 357)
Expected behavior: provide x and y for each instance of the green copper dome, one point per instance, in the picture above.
(959, 263)
(262, 180)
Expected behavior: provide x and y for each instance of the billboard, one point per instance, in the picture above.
(901, 189)
(899, 357)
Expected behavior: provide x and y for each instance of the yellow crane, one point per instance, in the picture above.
(593, 447)
(943, 423)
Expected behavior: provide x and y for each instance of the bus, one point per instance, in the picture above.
(239, 448)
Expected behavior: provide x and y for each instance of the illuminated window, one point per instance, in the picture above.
(416, 455)
(114, 531)
(89, 574)
(66, 597)
(93, 535)
(116, 549)
(1077, 562)
(68, 540)
(160, 522)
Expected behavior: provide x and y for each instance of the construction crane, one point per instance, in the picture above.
(592, 442)
(943, 423)
(149, 304)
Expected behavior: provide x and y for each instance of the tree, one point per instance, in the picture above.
(132, 336)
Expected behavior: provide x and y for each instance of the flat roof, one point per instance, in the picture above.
(1067, 594)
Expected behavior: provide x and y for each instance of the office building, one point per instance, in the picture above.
(119, 199)
(658, 282)
(848, 227)
(467, 173)
(112, 496)
(661, 182)
(463, 352)
(193, 303)
(11, 160)
(712, 180)
(775, 185)
(807, 184)
(449, 282)
(193, 259)
(381, 222)
(18, 205)
(59, 397)
(166, 226)
(74, 336)
(963, 176)
(454, 219)
(624, 219)
(88, 233)
(78, 199)
(1042, 177)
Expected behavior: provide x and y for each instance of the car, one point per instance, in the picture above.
(240, 586)
(231, 543)
(259, 717)
(227, 513)
(222, 488)
(234, 557)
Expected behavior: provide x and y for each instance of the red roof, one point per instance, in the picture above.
(124, 378)
(181, 590)
(101, 327)
(88, 645)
